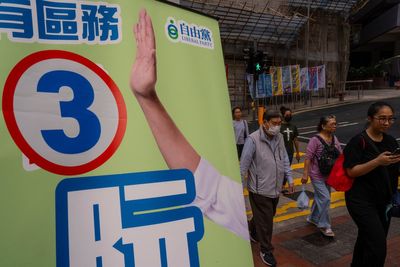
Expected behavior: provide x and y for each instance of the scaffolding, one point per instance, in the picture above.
(292, 31)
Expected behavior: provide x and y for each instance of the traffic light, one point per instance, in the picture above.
(259, 62)
(249, 58)
(255, 61)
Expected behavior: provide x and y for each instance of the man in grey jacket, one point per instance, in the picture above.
(266, 163)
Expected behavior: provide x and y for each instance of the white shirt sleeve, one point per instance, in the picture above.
(220, 199)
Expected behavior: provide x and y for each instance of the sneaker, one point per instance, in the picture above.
(268, 258)
(327, 232)
(311, 221)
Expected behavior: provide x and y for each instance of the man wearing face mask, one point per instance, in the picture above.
(290, 134)
(265, 161)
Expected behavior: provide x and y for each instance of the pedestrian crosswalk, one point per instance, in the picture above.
(287, 207)
(289, 210)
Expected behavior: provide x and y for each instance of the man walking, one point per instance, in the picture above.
(265, 161)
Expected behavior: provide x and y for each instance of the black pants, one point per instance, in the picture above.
(264, 209)
(370, 247)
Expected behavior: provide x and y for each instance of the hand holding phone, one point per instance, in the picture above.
(396, 152)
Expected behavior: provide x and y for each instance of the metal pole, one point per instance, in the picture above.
(308, 42)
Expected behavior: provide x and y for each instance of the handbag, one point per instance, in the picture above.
(338, 178)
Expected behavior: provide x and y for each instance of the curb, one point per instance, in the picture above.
(348, 102)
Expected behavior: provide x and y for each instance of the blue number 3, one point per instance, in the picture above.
(77, 108)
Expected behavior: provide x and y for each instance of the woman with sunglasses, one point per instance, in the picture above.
(369, 159)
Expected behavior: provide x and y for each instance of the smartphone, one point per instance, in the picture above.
(396, 151)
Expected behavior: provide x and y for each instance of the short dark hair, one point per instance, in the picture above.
(271, 114)
(323, 121)
(283, 110)
(375, 107)
(234, 109)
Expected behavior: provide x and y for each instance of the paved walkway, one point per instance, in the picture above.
(304, 245)
(299, 244)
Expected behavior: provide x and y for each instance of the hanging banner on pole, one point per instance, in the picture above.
(274, 77)
(264, 86)
(83, 182)
(268, 85)
(286, 80)
(304, 81)
(313, 78)
(295, 74)
(321, 77)
(278, 78)
(251, 85)
(261, 89)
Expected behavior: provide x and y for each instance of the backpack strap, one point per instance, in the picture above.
(325, 143)
(245, 129)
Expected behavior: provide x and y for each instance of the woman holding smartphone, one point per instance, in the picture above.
(371, 158)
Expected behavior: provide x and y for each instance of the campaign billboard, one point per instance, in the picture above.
(90, 177)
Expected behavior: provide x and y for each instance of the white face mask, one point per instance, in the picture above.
(274, 130)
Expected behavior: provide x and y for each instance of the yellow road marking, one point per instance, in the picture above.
(297, 166)
(306, 212)
(297, 181)
(337, 200)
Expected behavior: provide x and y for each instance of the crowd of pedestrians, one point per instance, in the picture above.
(370, 160)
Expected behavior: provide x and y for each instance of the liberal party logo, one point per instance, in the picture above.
(192, 34)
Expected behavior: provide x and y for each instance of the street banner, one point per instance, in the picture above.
(286, 80)
(274, 77)
(264, 86)
(313, 78)
(278, 79)
(304, 82)
(261, 89)
(268, 85)
(295, 74)
(251, 85)
(321, 77)
(83, 181)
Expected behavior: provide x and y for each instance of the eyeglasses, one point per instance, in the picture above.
(382, 120)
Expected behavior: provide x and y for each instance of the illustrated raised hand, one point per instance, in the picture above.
(144, 72)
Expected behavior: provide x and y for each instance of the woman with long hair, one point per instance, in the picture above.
(369, 159)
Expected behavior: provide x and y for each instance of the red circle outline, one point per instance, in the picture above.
(8, 112)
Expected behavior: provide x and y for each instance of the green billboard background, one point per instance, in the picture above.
(192, 86)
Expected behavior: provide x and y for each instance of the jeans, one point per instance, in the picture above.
(322, 201)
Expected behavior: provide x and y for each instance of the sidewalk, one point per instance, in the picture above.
(350, 98)
(304, 245)
(299, 244)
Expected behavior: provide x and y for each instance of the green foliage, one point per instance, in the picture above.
(366, 72)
